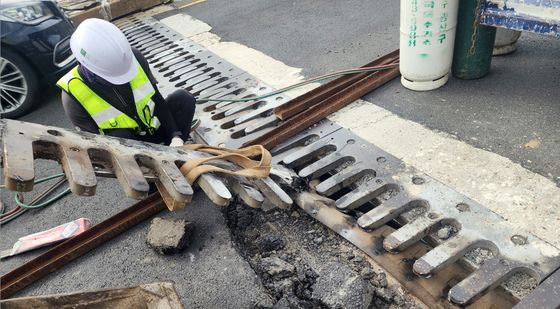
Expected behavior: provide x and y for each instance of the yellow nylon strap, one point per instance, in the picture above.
(242, 157)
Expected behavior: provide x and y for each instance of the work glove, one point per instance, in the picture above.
(176, 142)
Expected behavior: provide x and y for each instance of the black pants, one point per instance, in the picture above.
(182, 106)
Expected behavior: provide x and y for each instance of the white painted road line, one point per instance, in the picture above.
(525, 199)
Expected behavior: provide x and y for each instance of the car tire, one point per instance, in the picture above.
(18, 85)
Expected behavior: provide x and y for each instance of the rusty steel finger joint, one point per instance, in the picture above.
(81, 154)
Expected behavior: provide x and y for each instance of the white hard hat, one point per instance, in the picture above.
(103, 49)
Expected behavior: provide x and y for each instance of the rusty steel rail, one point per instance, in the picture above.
(322, 108)
(330, 90)
(84, 155)
(75, 247)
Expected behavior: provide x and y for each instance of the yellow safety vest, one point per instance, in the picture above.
(104, 114)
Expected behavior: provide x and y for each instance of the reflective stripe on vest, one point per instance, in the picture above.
(104, 114)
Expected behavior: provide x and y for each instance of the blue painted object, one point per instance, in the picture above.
(539, 16)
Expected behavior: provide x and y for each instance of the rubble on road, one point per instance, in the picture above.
(300, 272)
(169, 236)
(341, 287)
(276, 267)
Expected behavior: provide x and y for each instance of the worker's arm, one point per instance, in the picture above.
(81, 119)
(161, 108)
(77, 114)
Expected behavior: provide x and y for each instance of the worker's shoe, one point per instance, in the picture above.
(194, 124)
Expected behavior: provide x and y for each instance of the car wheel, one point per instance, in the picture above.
(18, 85)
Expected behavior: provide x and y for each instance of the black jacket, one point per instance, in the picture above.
(120, 97)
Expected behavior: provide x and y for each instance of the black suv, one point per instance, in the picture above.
(35, 49)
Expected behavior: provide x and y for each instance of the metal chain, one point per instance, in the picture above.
(476, 23)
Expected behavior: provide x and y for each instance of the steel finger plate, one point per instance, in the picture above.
(375, 188)
(131, 162)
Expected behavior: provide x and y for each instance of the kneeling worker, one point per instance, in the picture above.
(113, 92)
